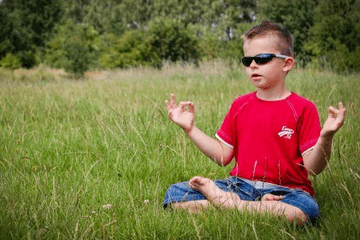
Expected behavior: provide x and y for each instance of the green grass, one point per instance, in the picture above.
(69, 147)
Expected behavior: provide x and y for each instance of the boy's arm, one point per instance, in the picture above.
(316, 160)
(214, 149)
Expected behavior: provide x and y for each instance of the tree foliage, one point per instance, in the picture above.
(131, 49)
(25, 27)
(173, 41)
(103, 16)
(73, 47)
(10, 61)
(80, 34)
(297, 15)
(335, 36)
(326, 33)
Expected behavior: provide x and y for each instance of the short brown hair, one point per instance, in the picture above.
(268, 28)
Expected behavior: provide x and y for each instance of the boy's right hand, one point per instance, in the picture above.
(183, 114)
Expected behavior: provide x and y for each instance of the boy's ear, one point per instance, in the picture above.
(289, 64)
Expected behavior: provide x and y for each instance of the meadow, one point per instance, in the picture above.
(92, 158)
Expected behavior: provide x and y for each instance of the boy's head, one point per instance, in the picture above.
(281, 36)
(268, 55)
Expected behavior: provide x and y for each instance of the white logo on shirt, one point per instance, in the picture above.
(286, 132)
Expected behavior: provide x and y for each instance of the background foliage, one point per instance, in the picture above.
(127, 33)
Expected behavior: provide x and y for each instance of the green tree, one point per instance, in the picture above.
(25, 26)
(297, 15)
(73, 47)
(131, 49)
(335, 37)
(103, 16)
(188, 20)
(173, 41)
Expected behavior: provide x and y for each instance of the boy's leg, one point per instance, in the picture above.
(192, 206)
(230, 200)
(182, 196)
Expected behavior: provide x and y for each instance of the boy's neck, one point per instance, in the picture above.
(273, 94)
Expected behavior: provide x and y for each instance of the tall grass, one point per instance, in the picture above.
(92, 158)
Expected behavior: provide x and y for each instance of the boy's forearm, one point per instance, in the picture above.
(210, 146)
(317, 159)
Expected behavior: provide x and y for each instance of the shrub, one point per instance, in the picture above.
(78, 58)
(10, 61)
(173, 40)
(132, 49)
(73, 47)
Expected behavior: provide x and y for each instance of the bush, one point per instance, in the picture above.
(10, 61)
(165, 40)
(132, 49)
(339, 59)
(215, 44)
(174, 41)
(78, 58)
(335, 37)
(73, 47)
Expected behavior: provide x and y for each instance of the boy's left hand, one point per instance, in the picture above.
(334, 121)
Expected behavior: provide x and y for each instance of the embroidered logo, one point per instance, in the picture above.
(286, 132)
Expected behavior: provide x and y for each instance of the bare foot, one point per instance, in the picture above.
(204, 185)
(214, 194)
(271, 197)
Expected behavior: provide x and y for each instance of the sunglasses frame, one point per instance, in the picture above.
(261, 58)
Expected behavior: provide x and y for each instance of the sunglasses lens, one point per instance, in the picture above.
(246, 61)
(263, 58)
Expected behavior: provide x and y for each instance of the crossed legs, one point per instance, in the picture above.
(219, 198)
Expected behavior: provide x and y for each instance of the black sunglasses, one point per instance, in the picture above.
(261, 58)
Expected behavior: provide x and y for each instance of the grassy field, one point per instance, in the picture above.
(92, 158)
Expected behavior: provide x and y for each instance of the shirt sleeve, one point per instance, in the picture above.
(309, 128)
(227, 131)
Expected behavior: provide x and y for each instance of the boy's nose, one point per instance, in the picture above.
(253, 64)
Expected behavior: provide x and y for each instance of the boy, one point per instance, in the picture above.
(274, 135)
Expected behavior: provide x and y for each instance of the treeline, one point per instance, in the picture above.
(78, 35)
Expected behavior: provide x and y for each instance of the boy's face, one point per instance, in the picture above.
(270, 75)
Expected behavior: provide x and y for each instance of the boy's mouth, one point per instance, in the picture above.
(255, 75)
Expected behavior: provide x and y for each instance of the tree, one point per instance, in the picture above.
(73, 47)
(173, 41)
(25, 26)
(104, 16)
(297, 15)
(131, 49)
(335, 36)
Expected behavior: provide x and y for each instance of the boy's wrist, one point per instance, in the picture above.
(189, 131)
(326, 137)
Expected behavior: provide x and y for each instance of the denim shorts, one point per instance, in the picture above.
(249, 191)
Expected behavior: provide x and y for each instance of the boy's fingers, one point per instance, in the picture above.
(172, 101)
(342, 109)
(191, 107)
(167, 105)
(182, 105)
(340, 113)
(333, 112)
(341, 106)
(194, 180)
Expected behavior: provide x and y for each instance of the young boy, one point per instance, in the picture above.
(273, 134)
